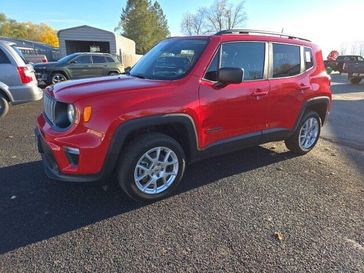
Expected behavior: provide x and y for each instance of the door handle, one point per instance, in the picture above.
(260, 92)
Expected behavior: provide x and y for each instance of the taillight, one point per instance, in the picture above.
(25, 74)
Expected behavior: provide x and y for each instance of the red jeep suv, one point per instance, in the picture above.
(187, 99)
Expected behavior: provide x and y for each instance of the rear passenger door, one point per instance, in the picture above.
(288, 85)
(99, 66)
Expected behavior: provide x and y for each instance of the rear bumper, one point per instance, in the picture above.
(51, 168)
(26, 93)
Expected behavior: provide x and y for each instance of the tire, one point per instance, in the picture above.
(294, 144)
(4, 106)
(355, 80)
(58, 77)
(136, 163)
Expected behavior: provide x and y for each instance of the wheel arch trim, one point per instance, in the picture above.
(309, 103)
(4, 89)
(128, 127)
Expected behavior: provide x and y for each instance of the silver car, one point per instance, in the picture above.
(18, 83)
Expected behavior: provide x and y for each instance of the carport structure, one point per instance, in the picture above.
(90, 39)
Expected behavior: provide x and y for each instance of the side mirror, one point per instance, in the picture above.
(127, 70)
(230, 75)
(72, 62)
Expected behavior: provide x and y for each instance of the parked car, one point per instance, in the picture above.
(355, 72)
(340, 64)
(36, 58)
(17, 79)
(187, 99)
(78, 66)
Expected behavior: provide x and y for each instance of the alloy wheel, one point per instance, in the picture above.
(309, 133)
(156, 170)
(58, 78)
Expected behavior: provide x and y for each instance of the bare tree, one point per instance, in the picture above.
(193, 24)
(361, 48)
(343, 48)
(221, 15)
(224, 15)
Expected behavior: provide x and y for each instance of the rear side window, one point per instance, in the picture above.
(82, 60)
(308, 58)
(247, 55)
(110, 60)
(98, 59)
(3, 58)
(286, 60)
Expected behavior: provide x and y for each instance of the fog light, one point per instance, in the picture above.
(72, 154)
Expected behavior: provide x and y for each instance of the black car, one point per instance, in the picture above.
(78, 66)
(340, 64)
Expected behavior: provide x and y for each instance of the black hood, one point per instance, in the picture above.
(44, 65)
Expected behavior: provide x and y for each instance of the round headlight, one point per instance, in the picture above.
(71, 113)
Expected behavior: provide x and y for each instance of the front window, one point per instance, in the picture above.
(171, 59)
(85, 59)
(249, 56)
(67, 58)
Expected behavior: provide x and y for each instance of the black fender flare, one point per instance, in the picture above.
(126, 128)
(309, 103)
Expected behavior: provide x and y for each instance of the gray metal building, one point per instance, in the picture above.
(91, 39)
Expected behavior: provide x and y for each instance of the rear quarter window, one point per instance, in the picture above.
(110, 60)
(3, 58)
(308, 58)
(286, 60)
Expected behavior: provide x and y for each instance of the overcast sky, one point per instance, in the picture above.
(327, 23)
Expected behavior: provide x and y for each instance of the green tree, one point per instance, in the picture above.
(145, 23)
(2, 18)
(27, 30)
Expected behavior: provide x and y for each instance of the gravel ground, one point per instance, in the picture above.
(258, 210)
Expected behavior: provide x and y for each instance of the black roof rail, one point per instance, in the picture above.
(255, 31)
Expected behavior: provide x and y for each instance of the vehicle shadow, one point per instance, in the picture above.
(34, 208)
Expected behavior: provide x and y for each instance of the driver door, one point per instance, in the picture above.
(235, 110)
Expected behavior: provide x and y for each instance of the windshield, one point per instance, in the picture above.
(171, 59)
(67, 58)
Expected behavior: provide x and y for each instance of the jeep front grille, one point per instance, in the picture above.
(50, 108)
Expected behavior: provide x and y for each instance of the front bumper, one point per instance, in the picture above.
(51, 167)
(42, 75)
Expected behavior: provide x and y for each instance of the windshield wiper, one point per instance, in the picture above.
(140, 76)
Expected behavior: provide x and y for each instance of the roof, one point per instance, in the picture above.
(85, 26)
